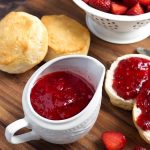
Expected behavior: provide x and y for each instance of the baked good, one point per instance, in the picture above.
(125, 78)
(23, 42)
(65, 36)
(141, 112)
(128, 83)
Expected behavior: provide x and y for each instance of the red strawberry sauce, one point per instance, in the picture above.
(143, 102)
(129, 76)
(61, 95)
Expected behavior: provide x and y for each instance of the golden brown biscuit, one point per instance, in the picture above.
(23, 42)
(65, 36)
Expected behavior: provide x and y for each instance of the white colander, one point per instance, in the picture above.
(119, 29)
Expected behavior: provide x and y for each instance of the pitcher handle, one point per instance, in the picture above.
(14, 127)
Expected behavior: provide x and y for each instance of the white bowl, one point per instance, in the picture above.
(118, 29)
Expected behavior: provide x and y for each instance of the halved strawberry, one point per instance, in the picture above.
(144, 2)
(135, 10)
(118, 9)
(103, 5)
(139, 148)
(113, 140)
(130, 3)
(148, 9)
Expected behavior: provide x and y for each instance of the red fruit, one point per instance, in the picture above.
(139, 148)
(103, 5)
(113, 140)
(148, 8)
(135, 10)
(86, 1)
(144, 2)
(130, 3)
(118, 9)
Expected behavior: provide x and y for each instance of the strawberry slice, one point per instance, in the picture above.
(103, 5)
(135, 10)
(113, 140)
(130, 3)
(118, 9)
(148, 9)
(144, 2)
(139, 148)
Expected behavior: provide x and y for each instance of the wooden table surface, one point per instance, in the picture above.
(11, 86)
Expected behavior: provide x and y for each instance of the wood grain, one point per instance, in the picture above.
(11, 86)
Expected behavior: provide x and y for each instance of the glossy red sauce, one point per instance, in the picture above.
(129, 77)
(143, 102)
(61, 95)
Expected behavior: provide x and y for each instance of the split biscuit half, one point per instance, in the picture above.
(65, 36)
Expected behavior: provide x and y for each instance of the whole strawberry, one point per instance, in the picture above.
(103, 5)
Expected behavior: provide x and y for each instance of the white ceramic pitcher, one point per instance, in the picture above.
(61, 131)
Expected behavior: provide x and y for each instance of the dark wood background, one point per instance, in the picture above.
(11, 86)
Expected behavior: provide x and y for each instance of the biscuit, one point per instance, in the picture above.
(23, 42)
(65, 36)
(115, 99)
(145, 135)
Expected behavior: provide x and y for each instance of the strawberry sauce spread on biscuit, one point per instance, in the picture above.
(129, 77)
(143, 102)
